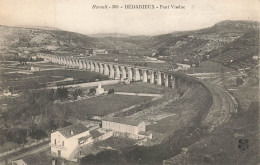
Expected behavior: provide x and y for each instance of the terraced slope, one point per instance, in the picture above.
(240, 52)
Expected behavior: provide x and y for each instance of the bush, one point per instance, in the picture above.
(62, 93)
(38, 134)
(92, 90)
(111, 91)
(76, 93)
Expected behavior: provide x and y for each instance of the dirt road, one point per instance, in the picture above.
(21, 154)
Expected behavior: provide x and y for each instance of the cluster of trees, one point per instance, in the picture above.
(16, 135)
(35, 112)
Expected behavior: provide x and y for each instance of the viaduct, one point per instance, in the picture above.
(117, 71)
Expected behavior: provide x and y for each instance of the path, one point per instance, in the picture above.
(90, 84)
(138, 94)
(21, 154)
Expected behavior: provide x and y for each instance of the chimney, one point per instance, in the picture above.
(71, 132)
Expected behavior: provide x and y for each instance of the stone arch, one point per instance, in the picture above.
(106, 69)
(101, 68)
(80, 64)
(111, 71)
(145, 75)
(92, 66)
(123, 72)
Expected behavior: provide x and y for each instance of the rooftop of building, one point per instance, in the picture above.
(95, 133)
(127, 121)
(85, 138)
(73, 130)
(32, 159)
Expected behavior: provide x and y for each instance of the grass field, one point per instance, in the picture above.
(209, 66)
(82, 75)
(103, 105)
(19, 76)
(138, 87)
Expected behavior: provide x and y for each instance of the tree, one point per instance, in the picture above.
(76, 93)
(92, 90)
(111, 91)
(62, 93)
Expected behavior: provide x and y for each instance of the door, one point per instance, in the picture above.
(59, 153)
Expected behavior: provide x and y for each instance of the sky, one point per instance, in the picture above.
(78, 15)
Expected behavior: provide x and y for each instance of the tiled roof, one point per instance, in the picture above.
(127, 121)
(75, 128)
(95, 133)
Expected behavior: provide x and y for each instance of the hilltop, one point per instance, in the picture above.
(30, 40)
(114, 35)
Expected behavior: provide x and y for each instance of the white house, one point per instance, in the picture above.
(129, 127)
(65, 141)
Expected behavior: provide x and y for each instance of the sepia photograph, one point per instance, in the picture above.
(129, 82)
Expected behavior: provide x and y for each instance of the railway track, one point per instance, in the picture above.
(223, 106)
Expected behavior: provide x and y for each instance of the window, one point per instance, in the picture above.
(55, 141)
(62, 143)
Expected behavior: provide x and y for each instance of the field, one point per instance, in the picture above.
(209, 66)
(138, 87)
(20, 77)
(103, 105)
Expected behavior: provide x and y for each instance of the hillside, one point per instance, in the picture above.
(240, 52)
(232, 43)
(23, 41)
(203, 43)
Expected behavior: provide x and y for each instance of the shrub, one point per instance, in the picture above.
(111, 91)
(92, 90)
(38, 134)
(62, 93)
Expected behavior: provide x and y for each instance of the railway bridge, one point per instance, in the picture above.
(117, 71)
